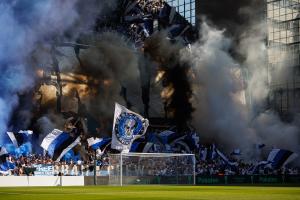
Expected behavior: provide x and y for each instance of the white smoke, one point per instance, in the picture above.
(220, 116)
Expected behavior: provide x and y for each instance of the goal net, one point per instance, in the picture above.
(151, 168)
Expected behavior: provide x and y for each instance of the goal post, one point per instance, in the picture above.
(152, 168)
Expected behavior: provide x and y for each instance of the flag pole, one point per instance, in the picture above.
(121, 170)
(95, 167)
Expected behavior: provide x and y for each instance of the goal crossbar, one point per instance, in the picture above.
(154, 154)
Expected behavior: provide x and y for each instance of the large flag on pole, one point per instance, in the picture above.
(127, 127)
(58, 143)
(20, 138)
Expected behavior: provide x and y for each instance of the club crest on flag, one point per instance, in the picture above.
(127, 126)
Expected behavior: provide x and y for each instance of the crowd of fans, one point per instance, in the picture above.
(27, 165)
(217, 167)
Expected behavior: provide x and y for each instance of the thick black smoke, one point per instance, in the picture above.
(177, 89)
(179, 104)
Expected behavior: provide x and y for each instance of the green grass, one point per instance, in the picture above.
(151, 192)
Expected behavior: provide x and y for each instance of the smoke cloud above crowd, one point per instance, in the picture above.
(27, 28)
(204, 86)
(224, 113)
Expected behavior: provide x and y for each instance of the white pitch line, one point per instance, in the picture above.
(75, 193)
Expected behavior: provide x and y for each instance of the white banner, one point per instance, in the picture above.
(44, 170)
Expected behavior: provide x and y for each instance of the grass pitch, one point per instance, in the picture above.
(151, 192)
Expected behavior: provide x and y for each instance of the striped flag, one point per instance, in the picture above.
(96, 143)
(141, 146)
(19, 138)
(254, 168)
(58, 143)
(225, 159)
(3, 154)
(168, 136)
(280, 157)
(180, 144)
(190, 142)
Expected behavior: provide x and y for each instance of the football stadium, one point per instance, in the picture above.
(150, 99)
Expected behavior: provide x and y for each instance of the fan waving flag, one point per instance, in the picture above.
(96, 143)
(58, 143)
(127, 127)
(19, 138)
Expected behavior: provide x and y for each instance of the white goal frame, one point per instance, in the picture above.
(145, 155)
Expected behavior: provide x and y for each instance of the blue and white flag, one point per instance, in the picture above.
(214, 152)
(276, 159)
(127, 127)
(4, 165)
(180, 145)
(203, 154)
(168, 136)
(98, 143)
(254, 168)
(179, 142)
(94, 143)
(236, 152)
(58, 143)
(141, 146)
(19, 138)
(193, 141)
(3, 154)
(4, 169)
(225, 159)
(211, 152)
(280, 157)
(137, 146)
